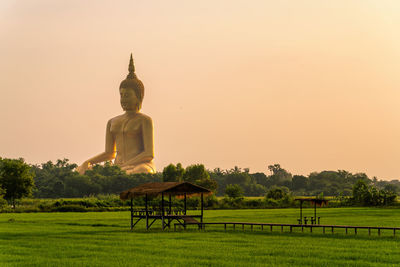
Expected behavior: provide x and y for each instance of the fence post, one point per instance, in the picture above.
(147, 214)
(131, 213)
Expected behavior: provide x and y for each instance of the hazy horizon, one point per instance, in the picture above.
(311, 85)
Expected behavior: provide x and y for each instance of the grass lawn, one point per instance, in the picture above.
(104, 239)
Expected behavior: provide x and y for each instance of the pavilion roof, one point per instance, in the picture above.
(157, 188)
(318, 201)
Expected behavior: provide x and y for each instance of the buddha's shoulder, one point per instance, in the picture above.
(116, 119)
(143, 117)
(139, 117)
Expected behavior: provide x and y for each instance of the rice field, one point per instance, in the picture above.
(104, 239)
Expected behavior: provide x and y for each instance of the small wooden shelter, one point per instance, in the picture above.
(313, 201)
(164, 213)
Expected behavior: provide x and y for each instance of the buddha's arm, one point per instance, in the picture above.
(148, 148)
(110, 150)
(108, 154)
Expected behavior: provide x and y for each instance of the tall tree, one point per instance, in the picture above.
(299, 182)
(195, 172)
(260, 178)
(172, 173)
(16, 178)
(279, 176)
(198, 174)
(50, 178)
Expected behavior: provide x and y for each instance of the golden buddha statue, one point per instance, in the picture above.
(129, 137)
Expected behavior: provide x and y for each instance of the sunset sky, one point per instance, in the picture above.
(313, 85)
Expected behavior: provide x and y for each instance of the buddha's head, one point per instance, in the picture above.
(131, 90)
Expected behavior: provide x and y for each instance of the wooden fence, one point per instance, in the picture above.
(271, 226)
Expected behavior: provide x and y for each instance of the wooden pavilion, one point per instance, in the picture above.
(315, 202)
(165, 213)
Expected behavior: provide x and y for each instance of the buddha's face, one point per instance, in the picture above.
(129, 100)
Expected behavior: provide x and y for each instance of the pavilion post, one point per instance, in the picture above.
(301, 212)
(170, 211)
(315, 212)
(131, 213)
(162, 210)
(147, 213)
(170, 204)
(184, 205)
(202, 205)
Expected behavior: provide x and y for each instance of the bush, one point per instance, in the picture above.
(3, 202)
(232, 203)
(233, 191)
(370, 196)
(277, 192)
(211, 202)
(287, 201)
(271, 203)
(193, 202)
(70, 208)
(253, 203)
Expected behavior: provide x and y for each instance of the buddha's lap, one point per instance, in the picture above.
(146, 167)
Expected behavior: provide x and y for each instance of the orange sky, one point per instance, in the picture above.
(312, 85)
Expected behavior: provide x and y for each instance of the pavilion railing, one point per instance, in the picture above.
(151, 212)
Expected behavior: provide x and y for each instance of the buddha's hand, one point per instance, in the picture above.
(83, 168)
(125, 167)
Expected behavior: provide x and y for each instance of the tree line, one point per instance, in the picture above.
(328, 183)
(60, 180)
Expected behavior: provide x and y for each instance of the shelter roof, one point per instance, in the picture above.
(157, 188)
(317, 201)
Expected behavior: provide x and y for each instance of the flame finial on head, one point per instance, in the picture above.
(131, 69)
(133, 82)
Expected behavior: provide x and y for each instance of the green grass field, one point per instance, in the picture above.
(104, 239)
